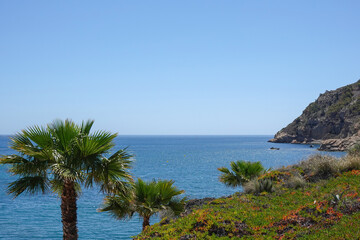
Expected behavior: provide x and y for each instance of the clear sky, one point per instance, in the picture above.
(173, 67)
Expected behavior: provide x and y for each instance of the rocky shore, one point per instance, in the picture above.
(333, 121)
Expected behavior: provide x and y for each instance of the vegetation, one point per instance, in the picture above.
(355, 107)
(357, 85)
(304, 203)
(352, 160)
(312, 108)
(146, 199)
(62, 157)
(257, 186)
(320, 167)
(295, 182)
(241, 172)
(344, 99)
(354, 151)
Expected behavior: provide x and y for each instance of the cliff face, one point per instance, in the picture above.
(333, 120)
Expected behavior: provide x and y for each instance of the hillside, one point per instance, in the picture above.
(333, 120)
(316, 199)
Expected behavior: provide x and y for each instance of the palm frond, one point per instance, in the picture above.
(224, 170)
(117, 187)
(40, 136)
(35, 142)
(66, 151)
(120, 206)
(19, 141)
(167, 191)
(242, 172)
(65, 172)
(29, 168)
(86, 127)
(65, 134)
(22, 166)
(98, 143)
(231, 179)
(156, 196)
(145, 192)
(110, 173)
(247, 169)
(12, 159)
(148, 198)
(174, 208)
(31, 185)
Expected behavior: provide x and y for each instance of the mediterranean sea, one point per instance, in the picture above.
(191, 161)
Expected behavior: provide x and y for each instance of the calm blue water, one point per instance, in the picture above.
(191, 161)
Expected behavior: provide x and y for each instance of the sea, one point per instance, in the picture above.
(191, 161)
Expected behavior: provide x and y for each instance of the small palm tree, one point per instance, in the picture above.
(242, 172)
(146, 199)
(62, 157)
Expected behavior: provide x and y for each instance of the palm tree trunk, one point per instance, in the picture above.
(146, 222)
(68, 211)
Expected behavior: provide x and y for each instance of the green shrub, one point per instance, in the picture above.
(295, 182)
(320, 166)
(312, 108)
(276, 175)
(350, 162)
(355, 150)
(355, 108)
(345, 98)
(256, 186)
(357, 85)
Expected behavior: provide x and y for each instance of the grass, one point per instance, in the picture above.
(300, 207)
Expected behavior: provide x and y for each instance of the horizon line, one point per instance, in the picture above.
(4, 134)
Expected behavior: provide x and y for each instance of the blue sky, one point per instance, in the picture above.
(173, 67)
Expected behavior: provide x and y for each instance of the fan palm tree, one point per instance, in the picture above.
(146, 199)
(242, 172)
(62, 157)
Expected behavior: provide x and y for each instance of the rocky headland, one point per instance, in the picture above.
(333, 121)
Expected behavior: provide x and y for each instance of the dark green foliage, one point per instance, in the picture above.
(61, 158)
(312, 108)
(355, 107)
(65, 151)
(258, 186)
(355, 150)
(344, 99)
(146, 199)
(357, 85)
(295, 182)
(240, 173)
(264, 185)
(29, 184)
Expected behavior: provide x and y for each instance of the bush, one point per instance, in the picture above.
(355, 150)
(295, 182)
(355, 107)
(345, 98)
(312, 108)
(278, 175)
(320, 166)
(258, 186)
(350, 162)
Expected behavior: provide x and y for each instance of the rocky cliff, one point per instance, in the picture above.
(333, 120)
